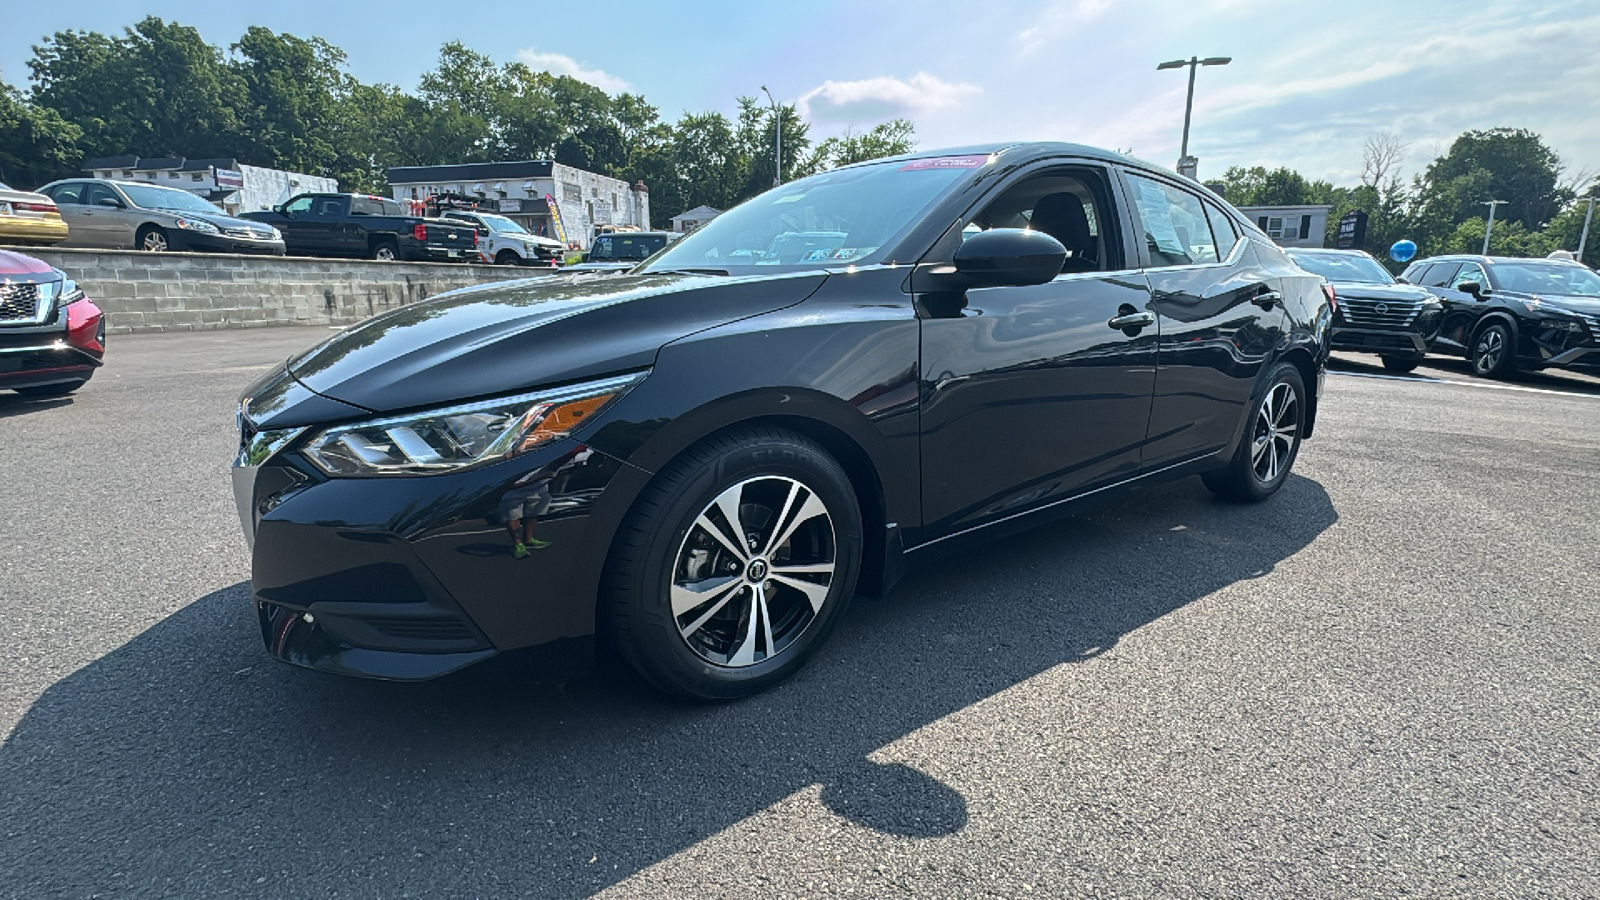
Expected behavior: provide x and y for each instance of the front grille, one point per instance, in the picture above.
(19, 303)
(1367, 313)
(251, 233)
(1591, 321)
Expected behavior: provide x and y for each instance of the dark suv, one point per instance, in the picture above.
(1375, 313)
(1506, 314)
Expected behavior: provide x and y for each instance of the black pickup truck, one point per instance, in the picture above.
(364, 226)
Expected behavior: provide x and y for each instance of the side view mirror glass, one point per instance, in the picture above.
(1009, 257)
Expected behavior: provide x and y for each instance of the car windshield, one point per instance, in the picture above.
(149, 196)
(841, 217)
(1358, 268)
(502, 224)
(1548, 278)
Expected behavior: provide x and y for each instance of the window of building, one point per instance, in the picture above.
(1286, 228)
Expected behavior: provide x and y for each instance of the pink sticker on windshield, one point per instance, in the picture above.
(945, 162)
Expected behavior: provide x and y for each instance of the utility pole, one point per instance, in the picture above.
(1585, 238)
(777, 127)
(1489, 229)
(1188, 165)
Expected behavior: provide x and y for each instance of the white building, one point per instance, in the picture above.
(234, 187)
(543, 196)
(688, 221)
(1291, 226)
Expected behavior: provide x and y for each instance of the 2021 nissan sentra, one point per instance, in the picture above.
(704, 459)
(52, 337)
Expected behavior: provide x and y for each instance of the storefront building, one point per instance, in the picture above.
(544, 197)
(234, 187)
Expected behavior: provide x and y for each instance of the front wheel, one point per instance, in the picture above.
(151, 238)
(507, 258)
(1492, 354)
(1270, 445)
(735, 565)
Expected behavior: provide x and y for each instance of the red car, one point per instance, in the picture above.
(51, 337)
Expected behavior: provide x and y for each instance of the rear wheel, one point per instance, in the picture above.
(385, 251)
(734, 565)
(1492, 354)
(151, 238)
(1401, 364)
(1270, 445)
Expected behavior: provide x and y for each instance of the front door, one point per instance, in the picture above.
(1462, 310)
(1032, 394)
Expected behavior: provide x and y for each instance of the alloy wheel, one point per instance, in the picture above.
(384, 254)
(154, 241)
(1486, 355)
(1277, 426)
(753, 571)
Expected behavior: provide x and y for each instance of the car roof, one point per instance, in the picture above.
(1326, 251)
(1495, 260)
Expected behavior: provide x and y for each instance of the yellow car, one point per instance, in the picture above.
(27, 218)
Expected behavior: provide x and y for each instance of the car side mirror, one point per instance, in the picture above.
(112, 202)
(1400, 279)
(1009, 257)
(1471, 287)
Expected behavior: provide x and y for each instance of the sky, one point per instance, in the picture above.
(1309, 82)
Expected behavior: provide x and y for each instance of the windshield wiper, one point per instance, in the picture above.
(722, 272)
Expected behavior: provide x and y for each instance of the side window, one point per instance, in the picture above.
(1176, 232)
(1223, 230)
(1441, 275)
(361, 206)
(327, 207)
(299, 205)
(95, 193)
(602, 248)
(1415, 273)
(68, 193)
(1469, 272)
(1069, 205)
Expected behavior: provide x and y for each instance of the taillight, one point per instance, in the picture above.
(36, 207)
(419, 231)
(1333, 302)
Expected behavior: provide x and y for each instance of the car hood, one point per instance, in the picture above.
(512, 336)
(1367, 291)
(21, 267)
(1590, 305)
(218, 218)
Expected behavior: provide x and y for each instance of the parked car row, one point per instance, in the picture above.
(1502, 314)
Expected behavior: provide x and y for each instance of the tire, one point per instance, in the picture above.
(1400, 364)
(152, 238)
(507, 258)
(45, 391)
(1493, 354)
(690, 607)
(1271, 442)
(385, 250)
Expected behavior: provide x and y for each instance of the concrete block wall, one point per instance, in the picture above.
(145, 292)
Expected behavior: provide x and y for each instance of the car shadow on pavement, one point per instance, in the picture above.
(1461, 370)
(185, 762)
(17, 405)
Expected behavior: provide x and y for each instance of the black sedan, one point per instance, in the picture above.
(1505, 314)
(1373, 312)
(703, 460)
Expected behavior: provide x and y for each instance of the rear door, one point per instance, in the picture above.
(1034, 394)
(1220, 315)
(80, 219)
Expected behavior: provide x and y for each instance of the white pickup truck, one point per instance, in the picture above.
(506, 243)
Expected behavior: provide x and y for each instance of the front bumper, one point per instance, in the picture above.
(68, 348)
(408, 578)
(1388, 342)
(182, 239)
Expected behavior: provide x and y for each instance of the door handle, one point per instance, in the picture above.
(1132, 320)
(1265, 299)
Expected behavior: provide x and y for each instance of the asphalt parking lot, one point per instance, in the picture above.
(1383, 681)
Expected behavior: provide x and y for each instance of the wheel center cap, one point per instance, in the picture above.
(757, 570)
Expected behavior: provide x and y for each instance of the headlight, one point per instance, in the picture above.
(473, 434)
(277, 235)
(1553, 324)
(199, 225)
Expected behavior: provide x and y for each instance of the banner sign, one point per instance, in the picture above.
(1352, 234)
(228, 178)
(555, 220)
(511, 204)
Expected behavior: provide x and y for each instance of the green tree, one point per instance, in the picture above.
(1258, 186)
(36, 144)
(1511, 164)
(890, 138)
(292, 92)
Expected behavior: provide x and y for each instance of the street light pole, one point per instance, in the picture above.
(777, 128)
(1584, 239)
(1193, 62)
(1489, 229)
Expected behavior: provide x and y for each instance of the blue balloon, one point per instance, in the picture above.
(1403, 251)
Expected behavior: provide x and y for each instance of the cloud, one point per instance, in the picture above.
(561, 64)
(883, 98)
(1057, 19)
